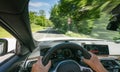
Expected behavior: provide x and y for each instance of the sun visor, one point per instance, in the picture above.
(12, 6)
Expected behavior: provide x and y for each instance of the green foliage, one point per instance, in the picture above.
(72, 34)
(40, 19)
(32, 16)
(42, 13)
(36, 28)
(81, 12)
(4, 33)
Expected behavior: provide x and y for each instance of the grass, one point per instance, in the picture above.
(5, 34)
(36, 27)
(100, 32)
(72, 34)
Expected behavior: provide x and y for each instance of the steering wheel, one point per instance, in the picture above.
(64, 63)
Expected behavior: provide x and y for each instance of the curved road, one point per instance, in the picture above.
(47, 33)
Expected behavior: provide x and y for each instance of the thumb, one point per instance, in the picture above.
(38, 61)
(85, 60)
(48, 65)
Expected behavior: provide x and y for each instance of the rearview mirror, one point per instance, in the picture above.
(3, 46)
(117, 41)
(113, 25)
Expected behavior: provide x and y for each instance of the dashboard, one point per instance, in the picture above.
(56, 57)
(75, 54)
(97, 49)
(63, 54)
(67, 53)
(111, 65)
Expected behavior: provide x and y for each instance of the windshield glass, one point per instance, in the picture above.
(74, 18)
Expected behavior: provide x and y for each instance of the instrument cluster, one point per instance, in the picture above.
(63, 54)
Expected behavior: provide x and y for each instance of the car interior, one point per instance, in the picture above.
(64, 54)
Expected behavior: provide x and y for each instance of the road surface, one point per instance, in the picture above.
(48, 33)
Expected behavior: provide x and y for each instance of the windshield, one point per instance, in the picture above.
(73, 18)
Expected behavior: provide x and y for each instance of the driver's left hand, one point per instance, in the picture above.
(39, 67)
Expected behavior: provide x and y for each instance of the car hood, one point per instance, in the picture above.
(14, 17)
(69, 39)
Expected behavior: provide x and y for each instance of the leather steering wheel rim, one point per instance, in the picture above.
(46, 57)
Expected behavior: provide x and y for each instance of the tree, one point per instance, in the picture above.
(32, 16)
(42, 13)
(80, 11)
(39, 19)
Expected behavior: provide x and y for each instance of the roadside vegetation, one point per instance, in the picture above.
(38, 22)
(73, 34)
(84, 17)
(76, 18)
(39, 18)
(4, 33)
(36, 28)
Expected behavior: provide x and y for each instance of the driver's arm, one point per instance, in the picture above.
(95, 63)
(39, 67)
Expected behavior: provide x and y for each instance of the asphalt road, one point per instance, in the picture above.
(48, 33)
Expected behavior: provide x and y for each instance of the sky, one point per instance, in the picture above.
(36, 5)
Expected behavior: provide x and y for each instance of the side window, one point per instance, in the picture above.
(1, 47)
(7, 42)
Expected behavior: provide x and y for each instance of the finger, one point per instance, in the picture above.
(33, 67)
(41, 57)
(85, 60)
(38, 61)
(48, 65)
(41, 61)
(88, 60)
(93, 56)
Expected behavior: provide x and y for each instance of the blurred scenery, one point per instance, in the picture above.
(74, 18)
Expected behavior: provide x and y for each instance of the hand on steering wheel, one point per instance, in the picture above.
(61, 65)
(95, 63)
(39, 67)
(46, 58)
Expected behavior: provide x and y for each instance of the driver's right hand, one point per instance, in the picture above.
(95, 63)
